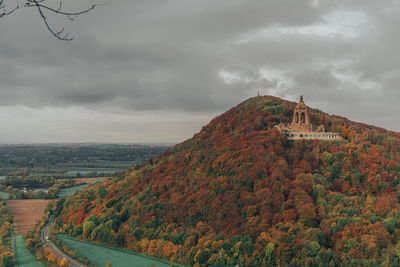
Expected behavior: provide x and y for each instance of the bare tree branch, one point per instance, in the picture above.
(3, 10)
(44, 9)
(59, 35)
(36, 3)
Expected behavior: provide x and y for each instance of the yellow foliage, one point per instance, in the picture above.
(144, 244)
(5, 252)
(39, 255)
(28, 242)
(52, 257)
(63, 262)
(152, 247)
(169, 249)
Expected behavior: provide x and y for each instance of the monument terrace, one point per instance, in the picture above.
(301, 127)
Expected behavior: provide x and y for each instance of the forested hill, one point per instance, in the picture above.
(239, 192)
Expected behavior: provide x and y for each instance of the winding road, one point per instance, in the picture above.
(48, 244)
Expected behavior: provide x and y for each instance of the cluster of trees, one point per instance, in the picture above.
(93, 174)
(6, 254)
(28, 182)
(13, 171)
(240, 193)
(38, 177)
(43, 193)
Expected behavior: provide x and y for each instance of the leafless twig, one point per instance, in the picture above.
(3, 10)
(44, 9)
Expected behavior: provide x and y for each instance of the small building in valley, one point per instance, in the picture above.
(301, 127)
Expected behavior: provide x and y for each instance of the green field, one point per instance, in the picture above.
(4, 195)
(66, 192)
(100, 255)
(23, 258)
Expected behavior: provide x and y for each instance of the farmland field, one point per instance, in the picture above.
(23, 257)
(66, 192)
(4, 195)
(92, 180)
(100, 255)
(26, 213)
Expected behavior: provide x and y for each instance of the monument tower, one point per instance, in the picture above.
(301, 119)
(302, 128)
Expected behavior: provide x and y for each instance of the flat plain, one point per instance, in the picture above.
(23, 258)
(4, 195)
(26, 213)
(100, 255)
(66, 192)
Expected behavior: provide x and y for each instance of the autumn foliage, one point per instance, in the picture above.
(240, 193)
(6, 254)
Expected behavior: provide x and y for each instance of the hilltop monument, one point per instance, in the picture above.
(301, 127)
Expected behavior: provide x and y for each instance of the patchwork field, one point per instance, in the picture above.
(66, 192)
(23, 257)
(26, 213)
(100, 255)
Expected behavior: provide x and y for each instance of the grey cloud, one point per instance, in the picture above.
(167, 55)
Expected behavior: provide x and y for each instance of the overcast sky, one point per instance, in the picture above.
(158, 70)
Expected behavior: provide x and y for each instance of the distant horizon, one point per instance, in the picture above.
(188, 132)
(86, 143)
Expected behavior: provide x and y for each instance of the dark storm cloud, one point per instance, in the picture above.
(205, 56)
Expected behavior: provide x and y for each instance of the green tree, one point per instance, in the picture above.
(88, 226)
(270, 253)
(312, 248)
(102, 192)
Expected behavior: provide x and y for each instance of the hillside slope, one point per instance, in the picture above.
(239, 192)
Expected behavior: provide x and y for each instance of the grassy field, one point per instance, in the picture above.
(23, 257)
(4, 195)
(100, 255)
(66, 192)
